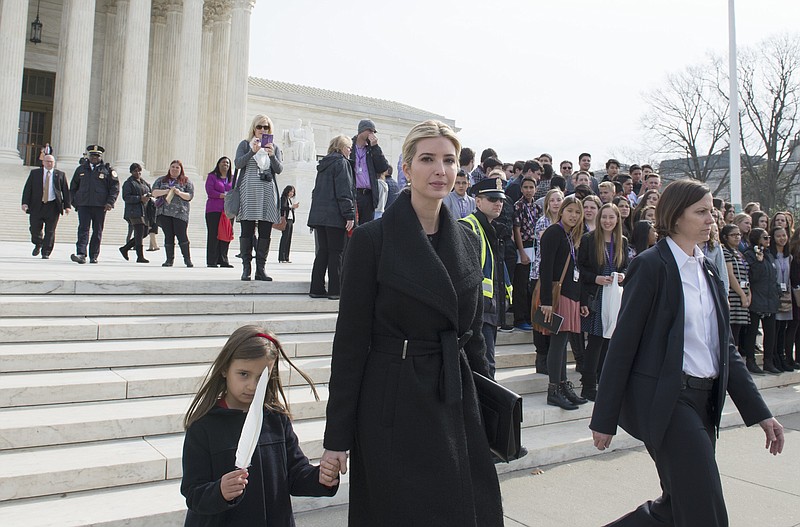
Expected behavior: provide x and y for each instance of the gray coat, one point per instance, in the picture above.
(178, 207)
(332, 200)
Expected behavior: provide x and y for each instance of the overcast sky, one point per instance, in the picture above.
(524, 77)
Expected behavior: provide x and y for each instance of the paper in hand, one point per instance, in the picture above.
(252, 423)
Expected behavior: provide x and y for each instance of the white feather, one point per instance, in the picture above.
(252, 424)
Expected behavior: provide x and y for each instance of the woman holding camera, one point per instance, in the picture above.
(766, 298)
(258, 160)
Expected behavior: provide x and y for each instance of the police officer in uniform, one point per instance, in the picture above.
(94, 189)
(489, 201)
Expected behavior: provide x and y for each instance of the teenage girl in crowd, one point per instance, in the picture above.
(738, 287)
(602, 252)
(644, 236)
(591, 207)
(779, 249)
(218, 493)
(765, 299)
(560, 244)
(552, 202)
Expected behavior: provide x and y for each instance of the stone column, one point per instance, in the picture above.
(133, 92)
(238, 61)
(12, 60)
(119, 36)
(108, 66)
(218, 82)
(156, 78)
(185, 132)
(165, 116)
(72, 81)
(203, 126)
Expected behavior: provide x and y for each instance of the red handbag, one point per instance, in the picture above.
(225, 229)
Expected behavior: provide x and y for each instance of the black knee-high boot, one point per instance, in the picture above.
(246, 252)
(262, 248)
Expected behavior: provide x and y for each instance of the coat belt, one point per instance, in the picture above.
(449, 345)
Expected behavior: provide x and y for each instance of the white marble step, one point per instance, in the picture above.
(103, 384)
(160, 503)
(37, 356)
(111, 305)
(186, 285)
(45, 329)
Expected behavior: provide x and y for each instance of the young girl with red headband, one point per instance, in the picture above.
(216, 491)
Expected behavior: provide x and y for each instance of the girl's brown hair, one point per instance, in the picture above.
(246, 344)
(616, 236)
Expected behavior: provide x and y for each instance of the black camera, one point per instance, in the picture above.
(265, 176)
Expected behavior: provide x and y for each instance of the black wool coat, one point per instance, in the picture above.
(279, 469)
(418, 449)
(641, 378)
(132, 191)
(332, 200)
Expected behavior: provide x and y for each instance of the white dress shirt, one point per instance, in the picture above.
(701, 330)
(52, 195)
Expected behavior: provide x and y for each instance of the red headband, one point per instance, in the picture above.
(271, 339)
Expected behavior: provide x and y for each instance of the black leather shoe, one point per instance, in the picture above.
(78, 258)
(45, 257)
(36, 249)
(92, 260)
(555, 397)
(318, 295)
(769, 368)
(333, 297)
(226, 264)
(753, 368)
(569, 392)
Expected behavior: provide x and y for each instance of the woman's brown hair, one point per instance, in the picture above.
(575, 232)
(676, 198)
(245, 343)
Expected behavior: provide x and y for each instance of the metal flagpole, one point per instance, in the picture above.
(735, 146)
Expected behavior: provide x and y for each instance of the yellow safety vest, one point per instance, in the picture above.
(487, 258)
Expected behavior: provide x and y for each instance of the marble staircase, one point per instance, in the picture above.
(94, 384)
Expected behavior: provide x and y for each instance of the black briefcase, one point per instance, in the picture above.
(501, 410)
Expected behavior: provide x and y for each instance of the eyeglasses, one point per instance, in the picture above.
(262, 127)
(494, 199)
(565, 167)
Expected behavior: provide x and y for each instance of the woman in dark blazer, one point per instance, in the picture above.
(402, 398)
(666, 375)
(332, 215)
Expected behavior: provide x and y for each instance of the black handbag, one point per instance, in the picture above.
(501, 410)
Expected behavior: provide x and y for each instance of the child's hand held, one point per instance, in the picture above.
(233, 483)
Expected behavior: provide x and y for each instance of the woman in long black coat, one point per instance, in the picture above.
(402, 399)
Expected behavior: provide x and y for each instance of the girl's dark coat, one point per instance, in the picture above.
(279, 469)
(418, 450)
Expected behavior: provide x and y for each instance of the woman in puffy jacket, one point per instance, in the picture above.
(766, 297)
(332, 215)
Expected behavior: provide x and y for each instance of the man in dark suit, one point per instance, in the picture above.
(45, 197)
(368, 161)
(670, 364)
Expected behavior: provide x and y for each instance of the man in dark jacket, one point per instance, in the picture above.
(45, 197)
(489, 200)
(94, 189)
(368, 161)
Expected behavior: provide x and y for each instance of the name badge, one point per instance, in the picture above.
(576, 274)
(784, 288)
(101, 176)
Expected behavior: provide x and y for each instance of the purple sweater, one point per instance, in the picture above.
(214, 187)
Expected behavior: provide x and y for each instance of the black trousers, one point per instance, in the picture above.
(521, 299)
(216, 249)
(173, 228)
(286, 242)
(557, 357)
(328, 258)
(749, 342)
(94, 217)
(690, 483)
(46, 217)
(249, 229)
(593, 359)
(366, 208)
